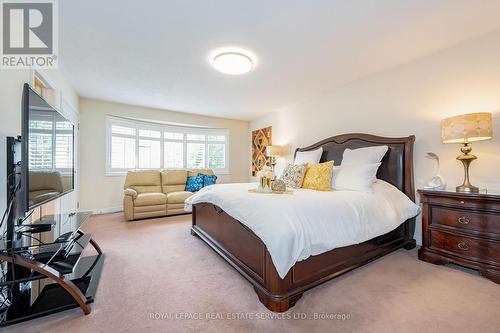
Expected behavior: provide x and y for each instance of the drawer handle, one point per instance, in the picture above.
(463, 246)
(462, 202)
(463, 220)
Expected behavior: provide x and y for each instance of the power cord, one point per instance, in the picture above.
(10, 203)
(27, 216)
(6, 292)
(32, 237)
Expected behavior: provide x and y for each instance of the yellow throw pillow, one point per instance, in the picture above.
(318, 176)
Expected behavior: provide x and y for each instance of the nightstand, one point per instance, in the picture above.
(463, 229)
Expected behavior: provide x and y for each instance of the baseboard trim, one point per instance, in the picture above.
(108, 210)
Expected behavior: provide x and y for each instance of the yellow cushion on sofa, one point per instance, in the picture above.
(318, 176)
(150, 199)
(174, 177)
(178, 197)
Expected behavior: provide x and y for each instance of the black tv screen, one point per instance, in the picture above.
(47, 169)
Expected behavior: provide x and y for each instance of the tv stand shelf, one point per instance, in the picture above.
(40, 289)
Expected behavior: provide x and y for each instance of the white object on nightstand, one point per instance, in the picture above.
(436, 182)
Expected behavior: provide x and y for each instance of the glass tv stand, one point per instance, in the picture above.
(33, 284)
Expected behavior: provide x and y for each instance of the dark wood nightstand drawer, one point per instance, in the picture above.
(468, 247)
(464, 202)
(476, 222)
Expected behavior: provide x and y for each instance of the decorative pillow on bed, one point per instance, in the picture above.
(304, 157)
(355, 177)
(366, 155)
(194, 183)
(208, 179)
(293, 175)
(318, 176)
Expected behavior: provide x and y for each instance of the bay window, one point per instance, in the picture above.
(136, 145)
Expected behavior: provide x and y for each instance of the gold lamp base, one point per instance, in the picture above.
(466, 158)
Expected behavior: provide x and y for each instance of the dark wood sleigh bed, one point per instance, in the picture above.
(241, 248)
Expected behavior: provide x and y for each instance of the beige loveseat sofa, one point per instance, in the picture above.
(154, 193)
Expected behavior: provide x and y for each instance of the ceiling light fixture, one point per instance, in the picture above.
(232, 63)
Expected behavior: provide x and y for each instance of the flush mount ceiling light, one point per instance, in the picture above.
(232, 62)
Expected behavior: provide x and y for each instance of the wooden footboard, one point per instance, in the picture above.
(241, 248)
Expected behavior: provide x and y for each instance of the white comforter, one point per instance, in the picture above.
(295, 227)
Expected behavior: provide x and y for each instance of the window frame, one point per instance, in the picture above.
(162, 128)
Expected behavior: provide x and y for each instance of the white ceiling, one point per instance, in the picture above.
(155, 53)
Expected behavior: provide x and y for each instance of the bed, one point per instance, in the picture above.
(248, 254)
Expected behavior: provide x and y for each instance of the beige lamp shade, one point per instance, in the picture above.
(467, 128)
(274, 150)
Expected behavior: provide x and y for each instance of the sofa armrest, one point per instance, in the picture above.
(130, 192)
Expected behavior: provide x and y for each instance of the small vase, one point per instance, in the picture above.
(268, 185)
(262, 184)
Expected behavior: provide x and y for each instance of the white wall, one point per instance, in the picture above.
(105, 193)
(11, 88)
(410, 99)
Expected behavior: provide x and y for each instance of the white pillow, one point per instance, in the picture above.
(367, 155)
(304, 157)
(402, 205)
(335, 172)
(355, 177)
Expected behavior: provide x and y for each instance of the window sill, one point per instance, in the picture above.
(124, 173)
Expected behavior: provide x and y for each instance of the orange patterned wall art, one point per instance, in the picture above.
(261, 138)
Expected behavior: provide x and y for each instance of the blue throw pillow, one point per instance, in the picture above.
(208, 180)
(194, 183)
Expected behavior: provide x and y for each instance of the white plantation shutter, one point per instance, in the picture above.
(216, 156)
(122, 153)
(150, 134)
(173, 154)
(134, 144)
(195, 155)
(64, 150)
(50, 142)
(149, 154)
(40, 151)
(64, 146)
(196, 137)
(173, 136)
(40, 141)
(129, 131)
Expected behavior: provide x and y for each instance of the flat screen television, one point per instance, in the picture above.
(47, 152)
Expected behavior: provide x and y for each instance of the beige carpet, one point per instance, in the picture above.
(156, 268)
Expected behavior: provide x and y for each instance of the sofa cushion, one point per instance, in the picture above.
(143, 181)
(39, 196)
(150, 199)
(178, 197)
(45, 181)
(173, 188)
(174, 177)
(175, 206)
(195, 172)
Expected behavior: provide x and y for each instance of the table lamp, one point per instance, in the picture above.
(465, 129)
(272, 152)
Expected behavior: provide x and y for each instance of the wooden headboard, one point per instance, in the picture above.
(397, 164)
